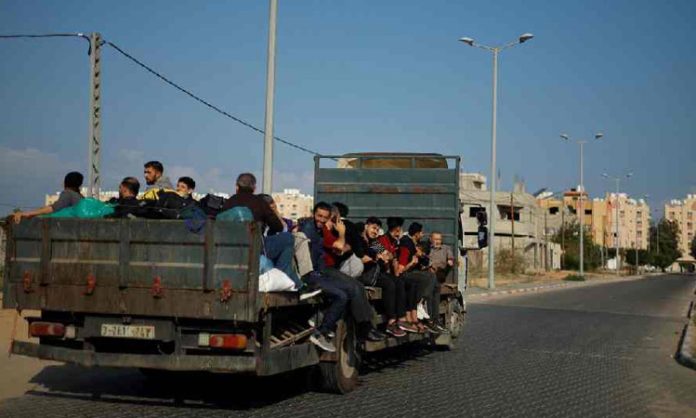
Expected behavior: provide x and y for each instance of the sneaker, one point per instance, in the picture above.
(431, 327)
(394, 330)
(320, 340)
(374, 335)
(308, 293)
(440, 327)
(406, 326)
(422, 311)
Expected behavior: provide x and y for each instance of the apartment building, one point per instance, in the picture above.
(633, 221)
(683, 212)
(293, 204)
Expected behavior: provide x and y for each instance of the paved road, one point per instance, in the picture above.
(601, 350)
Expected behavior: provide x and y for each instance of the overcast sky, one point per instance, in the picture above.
(354, 76)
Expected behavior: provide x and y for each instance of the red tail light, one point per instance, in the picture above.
(228, 341)
(46, 329)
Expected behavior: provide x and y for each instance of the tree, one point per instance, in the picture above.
(570, 236)
(644, 257)
(664, 248)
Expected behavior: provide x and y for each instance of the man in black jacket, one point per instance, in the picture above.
(127, 204)
(279, 245)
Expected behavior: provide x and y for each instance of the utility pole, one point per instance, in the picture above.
(562, 233)
(546, 241)
(512, 234)
(94, 175)
(270, 95)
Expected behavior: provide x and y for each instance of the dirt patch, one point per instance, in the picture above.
(16, 371)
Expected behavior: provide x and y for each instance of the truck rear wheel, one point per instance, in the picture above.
(341, 376)
(455, 316)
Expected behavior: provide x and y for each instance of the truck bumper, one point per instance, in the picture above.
(235, 364)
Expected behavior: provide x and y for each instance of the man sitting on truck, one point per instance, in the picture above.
(70, 196)
(335, 246)
(339, 292)
(393, 289)
(278, 245)
(412, 283)
(408, 267)
(127, 204)
(441, 257)
(155, 178)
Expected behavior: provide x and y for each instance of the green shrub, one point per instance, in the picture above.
(574, 278)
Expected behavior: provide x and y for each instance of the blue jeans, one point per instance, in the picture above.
(338, 299)
(280, 248)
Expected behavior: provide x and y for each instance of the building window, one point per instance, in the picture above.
(639, 214)
(554, 210)
(622, 213)
(588, 211)
(474, 210)
(689, 215)
(689, 225)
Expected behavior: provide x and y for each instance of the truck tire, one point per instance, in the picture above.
(455, 316)
(341, 376)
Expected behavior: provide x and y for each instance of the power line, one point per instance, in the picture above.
(45, 35)
(203, 101)
(166, 80)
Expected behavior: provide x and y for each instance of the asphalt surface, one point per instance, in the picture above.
(600, 350)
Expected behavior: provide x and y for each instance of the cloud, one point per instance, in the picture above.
(28, 174)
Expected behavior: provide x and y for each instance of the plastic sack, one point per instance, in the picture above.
(87, 208)
(238, 214)
(265, 264)
(275, 281)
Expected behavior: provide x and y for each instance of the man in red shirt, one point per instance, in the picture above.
(412, 283)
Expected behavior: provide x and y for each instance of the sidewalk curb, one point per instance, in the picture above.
(687, 352)
(686, 355)
(551, 287)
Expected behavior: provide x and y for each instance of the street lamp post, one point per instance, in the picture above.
(491, 218)
(581, 207)
(270, 95)
(617, 179)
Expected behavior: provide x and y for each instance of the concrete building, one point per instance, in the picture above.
(519, 223)
(293, 204)
(600, 219)
(633, 221)
(683, 212)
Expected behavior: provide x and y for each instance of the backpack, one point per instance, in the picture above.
(168, 205)
(211, 205)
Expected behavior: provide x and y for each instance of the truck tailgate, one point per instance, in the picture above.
(135, 267)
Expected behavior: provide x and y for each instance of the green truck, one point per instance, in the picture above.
(170, 295)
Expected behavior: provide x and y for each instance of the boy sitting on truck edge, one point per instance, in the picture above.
(185, 187)
(70, 196)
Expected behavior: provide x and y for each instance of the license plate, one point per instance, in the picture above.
(141, 332)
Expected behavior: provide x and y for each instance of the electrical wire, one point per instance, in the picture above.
(166, 80)
(201, 100)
